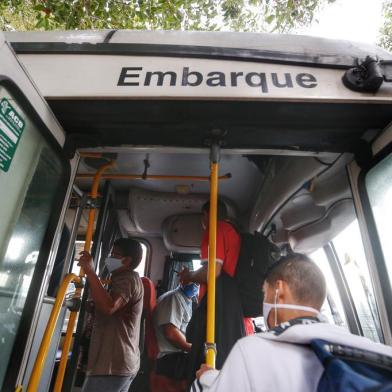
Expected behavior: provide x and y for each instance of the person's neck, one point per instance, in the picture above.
(121, 270)
(290, 314)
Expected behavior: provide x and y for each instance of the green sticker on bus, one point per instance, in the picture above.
(11, 129)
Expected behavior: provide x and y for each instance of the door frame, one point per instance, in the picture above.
(381, 147)
(14, 79)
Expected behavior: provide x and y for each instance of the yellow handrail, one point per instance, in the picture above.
(124, 176)
(87, 247)
(210, 336)
(91, 154)
(45, 343)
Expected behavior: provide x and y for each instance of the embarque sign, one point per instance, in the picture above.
(134, 76)
(11, 128)
(142, 77)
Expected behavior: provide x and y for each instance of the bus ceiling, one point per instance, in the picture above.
(287, 196)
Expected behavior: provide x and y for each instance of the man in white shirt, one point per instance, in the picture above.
(281, 360)
(171, 317)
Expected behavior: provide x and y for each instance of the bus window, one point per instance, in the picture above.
(332, 308)
(141, 269)
(379, 188)
(350, 253)
(196, 264)
(75, 269)
(79, 247)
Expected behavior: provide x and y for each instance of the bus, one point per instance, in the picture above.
(303, 129)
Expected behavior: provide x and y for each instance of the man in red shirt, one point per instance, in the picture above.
(228, 243)
(229, 317)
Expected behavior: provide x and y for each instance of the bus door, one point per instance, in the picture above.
(34, 182)
(372, 190)
(107, 230)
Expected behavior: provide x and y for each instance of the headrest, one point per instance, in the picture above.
(315, 235)
(183, 233)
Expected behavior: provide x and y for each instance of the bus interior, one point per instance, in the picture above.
(289, 168)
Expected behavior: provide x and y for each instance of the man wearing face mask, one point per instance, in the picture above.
(172, 315)
(281, 359)
(114, 358)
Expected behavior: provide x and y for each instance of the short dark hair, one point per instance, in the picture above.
(130, 247)
(222, 209)
(303, 277)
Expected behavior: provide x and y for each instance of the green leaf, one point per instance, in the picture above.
(269, 19)
(235, 15)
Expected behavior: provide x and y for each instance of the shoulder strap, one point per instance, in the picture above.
(325, 351)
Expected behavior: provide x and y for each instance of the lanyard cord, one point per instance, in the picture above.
(297, 321)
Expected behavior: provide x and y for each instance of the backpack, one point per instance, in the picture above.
(257, 254)
(350, 369)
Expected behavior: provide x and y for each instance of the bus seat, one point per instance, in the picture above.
(149, 303)
(158, 383)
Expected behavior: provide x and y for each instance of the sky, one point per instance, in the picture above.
(354, 20)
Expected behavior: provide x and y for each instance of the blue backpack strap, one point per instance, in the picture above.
(383, 388)
(352, 369)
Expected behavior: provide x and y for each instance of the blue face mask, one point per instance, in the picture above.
(190, 290)
(112, 264)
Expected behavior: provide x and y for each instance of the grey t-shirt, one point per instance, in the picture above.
(114, 345)
(174, 308)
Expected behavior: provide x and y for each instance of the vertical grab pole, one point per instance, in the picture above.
(45, 342)
(87, 246)
(210, 335)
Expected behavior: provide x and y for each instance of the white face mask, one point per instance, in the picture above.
(267, 307)
(113, 264)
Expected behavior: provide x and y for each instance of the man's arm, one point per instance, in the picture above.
(169, 317)
(234, 375)
(102, 299)
(176, 337)
(199, 276)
